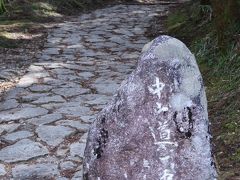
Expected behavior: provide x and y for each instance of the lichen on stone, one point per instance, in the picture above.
(157, 122)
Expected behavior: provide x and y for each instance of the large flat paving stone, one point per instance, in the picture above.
(70, 92)
(53, 135)
(46, 119)
(77, 149)
(22, 150)
(23, 113)
(49, 99)
(42, 171)
(8, 127)
(106, 88)
(9, 104)
(73, 110)
(17, 135)
(75, 124)
(40, 88)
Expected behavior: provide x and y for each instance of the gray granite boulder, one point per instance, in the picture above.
(156, 127)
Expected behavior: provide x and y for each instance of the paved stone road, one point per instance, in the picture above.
(44, 120)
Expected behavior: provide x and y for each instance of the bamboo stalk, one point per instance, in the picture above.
(2, 6)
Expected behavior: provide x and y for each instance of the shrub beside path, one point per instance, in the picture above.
(45, 118)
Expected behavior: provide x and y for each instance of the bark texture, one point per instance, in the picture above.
(156, 127)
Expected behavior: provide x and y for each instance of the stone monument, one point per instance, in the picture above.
(156, 127)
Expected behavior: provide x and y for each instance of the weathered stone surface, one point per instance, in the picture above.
(86, 75)
(2, 170)
(46, 119)
(9, 104)
(74, 111)
(77, 149)
(106, 88)
(27, 112)
(22, 150)
(8, 127)
(69, 92)
(83, 139)
(78, 175)
(37, 171)
(40, 88)
(27, 81)
(62, 151)
(13, 93)
(51, 51)
(66, 165)
(29, 97)
(75, 124)
(53, 135)
(100, 100)
(17, 135)
(62, 178)
(87, 119)
(157, 125)
(49, 99)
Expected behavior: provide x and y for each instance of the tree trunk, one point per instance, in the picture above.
(226, 13)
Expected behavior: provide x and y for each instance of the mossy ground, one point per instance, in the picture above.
(193, 24)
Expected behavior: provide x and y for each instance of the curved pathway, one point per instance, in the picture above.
(44, 120)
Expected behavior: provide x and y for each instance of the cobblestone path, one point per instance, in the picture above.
(44, 120)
